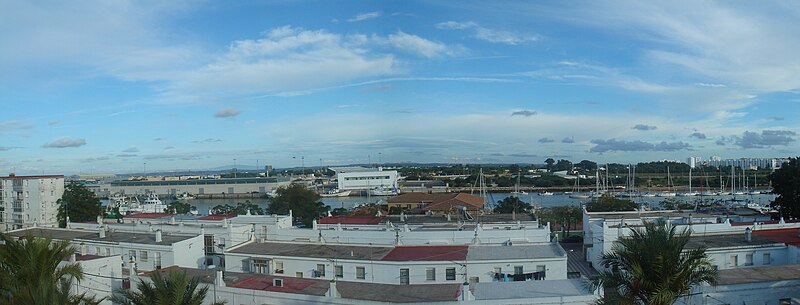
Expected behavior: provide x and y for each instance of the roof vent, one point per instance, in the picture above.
(277, 282)
(748, 235)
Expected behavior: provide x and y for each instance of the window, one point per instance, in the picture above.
(260, 266)
(518, 270)
(748, 259)
(734, 261)
(450, 274)
(209, 244)
(157, 259)
(404, 276)
(430, 274)
(542, 270)
(298, 275)
(338, 271)
(108, 251)
(97, 251)
(278, 267)
(361, 273)
(277, 282)
(143, 255)
(767, 258)
(320, 271)
(132, 254)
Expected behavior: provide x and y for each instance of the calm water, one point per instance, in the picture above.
(203, 205)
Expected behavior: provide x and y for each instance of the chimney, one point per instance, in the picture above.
(73, 258)
(83, 249)
(220, 279)
(158, 236)
(332, 291)
(748, 235)
(101, 232)
(466, 294)
(172, 220)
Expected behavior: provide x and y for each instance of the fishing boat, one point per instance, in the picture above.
(335, 193)
(185, 196)
(150, 204)
(380, 191)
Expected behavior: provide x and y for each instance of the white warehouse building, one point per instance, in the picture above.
(362, 178)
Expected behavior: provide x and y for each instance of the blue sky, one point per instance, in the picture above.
(106, 86)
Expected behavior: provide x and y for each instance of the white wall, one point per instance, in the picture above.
(752, 293)
(101, 276)
(367, 180)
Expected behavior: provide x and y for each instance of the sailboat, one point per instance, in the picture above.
(668, 193)
(733, 183)
(576, 193)
(516, 191)
(689, 193)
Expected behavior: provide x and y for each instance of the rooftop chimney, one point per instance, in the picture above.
(332, 291)
(101, 232)
(748, 235)
(220, 279)
(158, 236)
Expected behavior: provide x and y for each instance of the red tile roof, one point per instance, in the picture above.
(439, 202)
(217, 217)
(351, 220)
(786, 236)
(427, 253)
(148, 215)
(290, 284)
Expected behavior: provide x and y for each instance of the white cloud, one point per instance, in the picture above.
(65, 142)
(418, 45)
(489, 35)
(364, 16)
(226, 113)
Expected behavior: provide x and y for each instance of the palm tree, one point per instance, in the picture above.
(652, 266)
(174, 289)
(30, 272)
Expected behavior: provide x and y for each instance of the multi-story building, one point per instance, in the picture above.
(260, 185)
(748, 163)
(27, 201)
(362, 178)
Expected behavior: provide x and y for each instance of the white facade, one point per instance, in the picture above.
(28, 201)
(101, 275)
(148, 251)
(367, 180)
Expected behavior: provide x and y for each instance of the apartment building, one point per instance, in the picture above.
(27, 201)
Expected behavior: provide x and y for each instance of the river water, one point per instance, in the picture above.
(203, 205)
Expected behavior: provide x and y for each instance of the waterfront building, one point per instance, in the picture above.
(748, 163)
(363, 178)
(437, 203)
(27, 201)
(228, 186)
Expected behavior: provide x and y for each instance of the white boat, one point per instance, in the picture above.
(755, 192)
(150, 204)
(688, 194)
(380, 191)
(516, 191)
(335, 193)
(185, 196)
(708, 194)
(579, 196)
(650, 195)
(546, 193)
(668, 193)
(665, 194)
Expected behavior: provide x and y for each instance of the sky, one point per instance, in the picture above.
(131, 86)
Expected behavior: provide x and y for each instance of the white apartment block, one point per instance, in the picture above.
(27, 201)
(139, 251)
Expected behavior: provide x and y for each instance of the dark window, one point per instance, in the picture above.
(450, 274)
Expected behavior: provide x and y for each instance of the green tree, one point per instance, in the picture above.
(304, 203)
(176, 288)
(563, 165)
(79, 203)
(241, 208)
(786, 183)
(550, 163)
(512, 204)
(30, 272)
(179, 207)
(608, 203)
(340, 212)
(653, 266)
